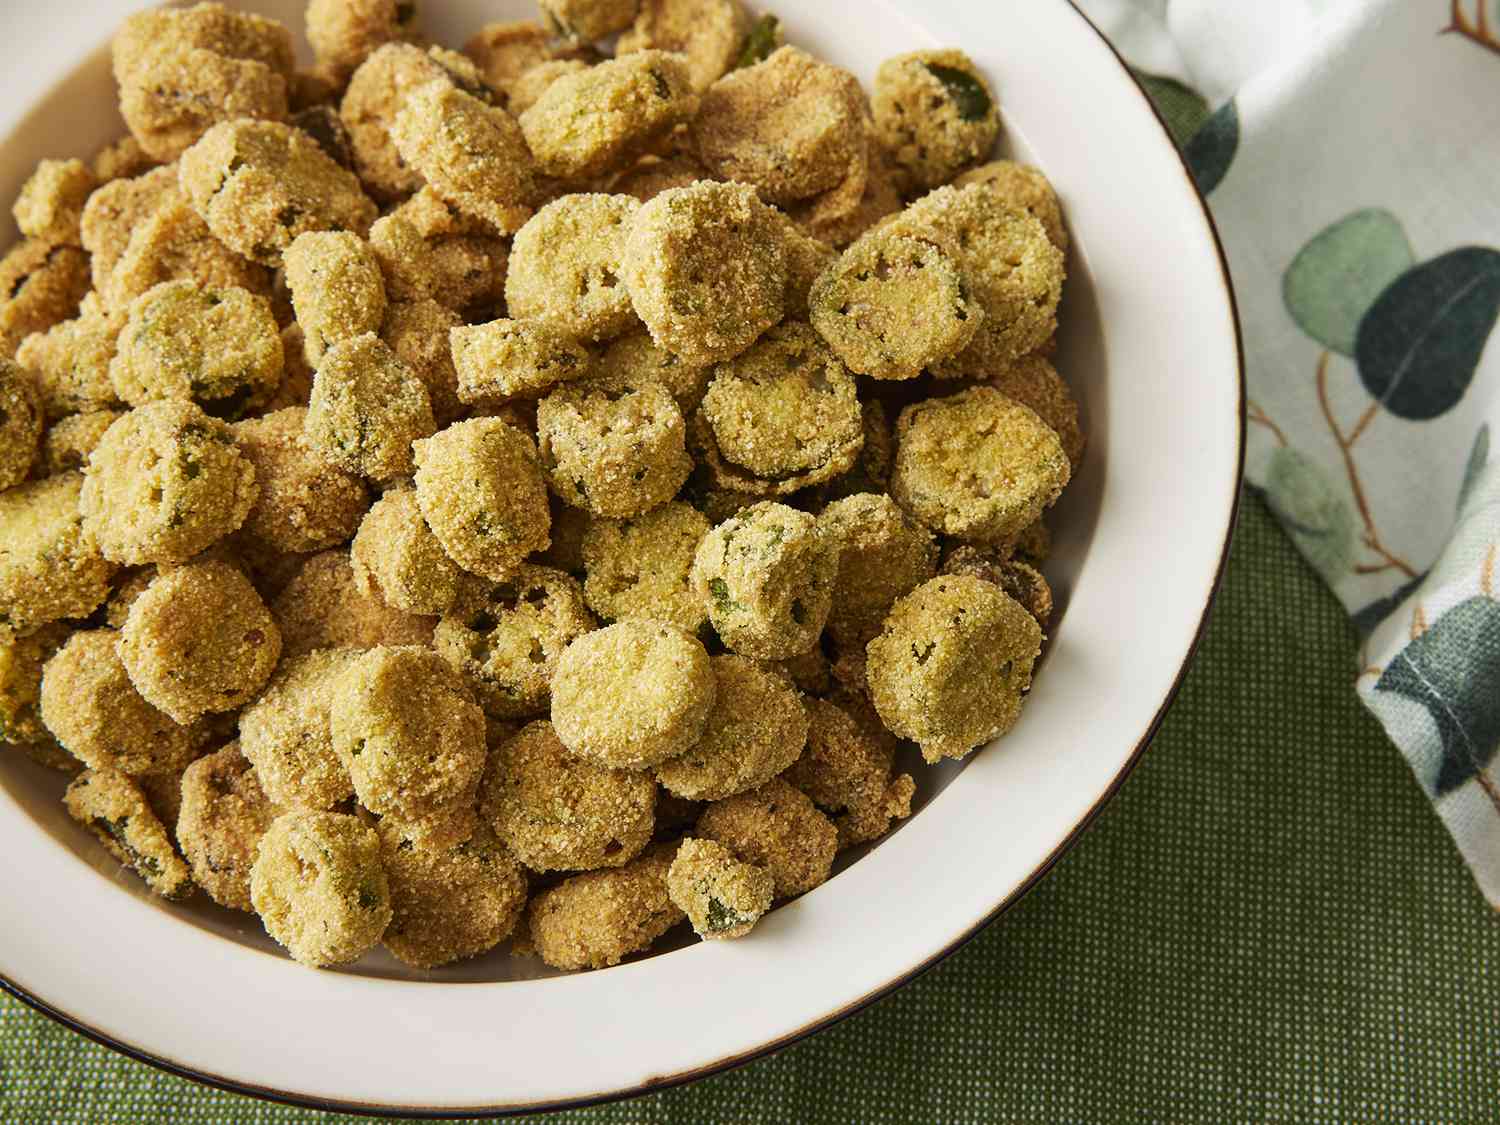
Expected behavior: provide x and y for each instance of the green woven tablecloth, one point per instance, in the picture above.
(1267, 924)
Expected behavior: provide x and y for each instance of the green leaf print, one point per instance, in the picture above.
(1421, 340)
(1181, 107)
(1337, 276)
(1212, 148)
(1311, 507)
(1453, 671)
(1479, 457)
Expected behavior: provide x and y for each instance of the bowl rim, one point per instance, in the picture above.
(829, 1018)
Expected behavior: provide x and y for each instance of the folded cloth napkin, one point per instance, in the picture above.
(1352, 165)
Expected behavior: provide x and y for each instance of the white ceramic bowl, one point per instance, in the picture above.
(1148, 342)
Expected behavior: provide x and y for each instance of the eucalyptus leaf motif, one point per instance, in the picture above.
(1212, 148)
(1313, 510)
(1339, 274)
(1181, 107)
(1479, 457)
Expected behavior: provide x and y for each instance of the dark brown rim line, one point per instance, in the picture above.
(652, 1086)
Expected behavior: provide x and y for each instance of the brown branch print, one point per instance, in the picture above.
(1476, 30)
(1256, 413)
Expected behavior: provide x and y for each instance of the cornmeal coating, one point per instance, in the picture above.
(165, 482)
(652, 175)
(367, 409)
(951, 665)
(451, 902)
(199, 639)
(116, 209)
(45, 284)
(120, 160)
(322, 606)
(706, 270)
(641, 568)
(319, 887)
(722, 897)
(508, 359)
(976, 465)
(893, 305)
(1033, 381)
(865, 196)
(633, 694)
(224, 814)
(112, 807)
(871, 471)
(418, 332)
(397, 557)
(343, 33)
(883, 554)
(569, 525)
(304, 503)
(50, 563)
(322, 123)
(636, 356)
(529, 87)
(565, 266)
(219, 348)
(286, 733)
(174, 243)
(1026, 189)
(618, 448)
(1020, 580)
(471, 154)
(776, 827)
(782, 415)
(260, 184)
(481, 490)
(458, 271)
(90, 706)
(337, 289)
(600, 119)
(847, 770)
(20, 423)
(21, 726)
(597, 919)
(790, 126)
(936, 115)
(51, 201)
(710, 34)
(506, 638)
(409, 733)
(757, 728)
(505, 50)
(587, 21)
(69, 365)
(558, 811)
(767, 575)
(1012, 269)
(806, 259)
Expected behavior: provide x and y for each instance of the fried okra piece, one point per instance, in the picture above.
(706, 270)
(777, 827)
(45, 284)
(174, 243)
(865, 196)
(1033, 381)
(780, 416)
(528, 89)
(789, 126)
(50, 563)
(120, 160)
(505, 50)
(767, 576)
(219, 348)
(597, 919)
(1020, 580)
(448, 903)
(20, 423)
(951, 664)
(322, 606)
(90, 706)
(883, 554)
(471, 154)
(565, 266)
(367, 409)
(893, 305)
(652, 175)
(633, 694)
(343, 33)
(481, 490)
(871, 471)
(164, 483)
(397, 557)
(936, 115)
(260, 184)
(847, 770)
(337, 289)
(710, 34)
(304, 503)
(322, 123)
(286, 733)
(69, 442)
(587, 21)
(600, 119)
(636, 356)
(418, 332)
(722, 897)
(641, 568)
(618, 449)
(508, 359)
(1013, 271)
(21, 726)
(319, 887)
(51, 201)
(756, 728)
(409, 733)
(559, 811)
(458, 271)
(806, 259)
(224, 814)
(111, 806)
(569, 524)
(976, 465)
(1026, 189)
(506, 638)
(69, 364)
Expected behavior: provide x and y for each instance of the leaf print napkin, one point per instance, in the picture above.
(1350, 157)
